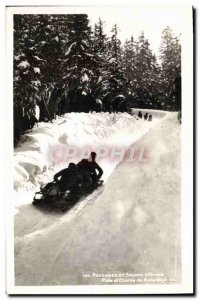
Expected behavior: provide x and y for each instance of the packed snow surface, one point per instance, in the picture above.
(132, 224)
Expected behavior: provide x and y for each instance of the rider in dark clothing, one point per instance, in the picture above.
(140, 114)
(69, 177)
(90, 170)
(146, 116)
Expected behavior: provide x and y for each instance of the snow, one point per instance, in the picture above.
(23, 64)
(111, 60)
(132, 225)
(69, 49)
(36, 82)
(16, 78)
(98, 101)
(20, 174)
(17, 57)
(85, 78)
(56, 39)
(88, 54)
(37, 58)
(99, 79)
(36, 70)
(37, 112)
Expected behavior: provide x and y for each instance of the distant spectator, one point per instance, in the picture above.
(140, 114)
(146, 116)
(150, 118)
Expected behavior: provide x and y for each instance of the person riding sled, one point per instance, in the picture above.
(77, 179)
(67, 178)
(90, 170)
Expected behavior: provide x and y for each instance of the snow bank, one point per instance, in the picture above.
(76, 129)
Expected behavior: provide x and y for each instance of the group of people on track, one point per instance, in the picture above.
(147, 117)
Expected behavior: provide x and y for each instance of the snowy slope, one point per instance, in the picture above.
(33, 164)
(131, 225)
(31, 157)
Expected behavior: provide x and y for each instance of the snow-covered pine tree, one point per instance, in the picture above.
(37, 60)
(143, 73)
(49, 47)
(27, 75)
(129, 67)
(117, 84)
(100, 39)
(52, 37)
(155, 83)
(128, 59)
(78, 61)
(100, 79)
(170, 55)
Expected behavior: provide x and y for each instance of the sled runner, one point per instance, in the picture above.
(50, 194)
